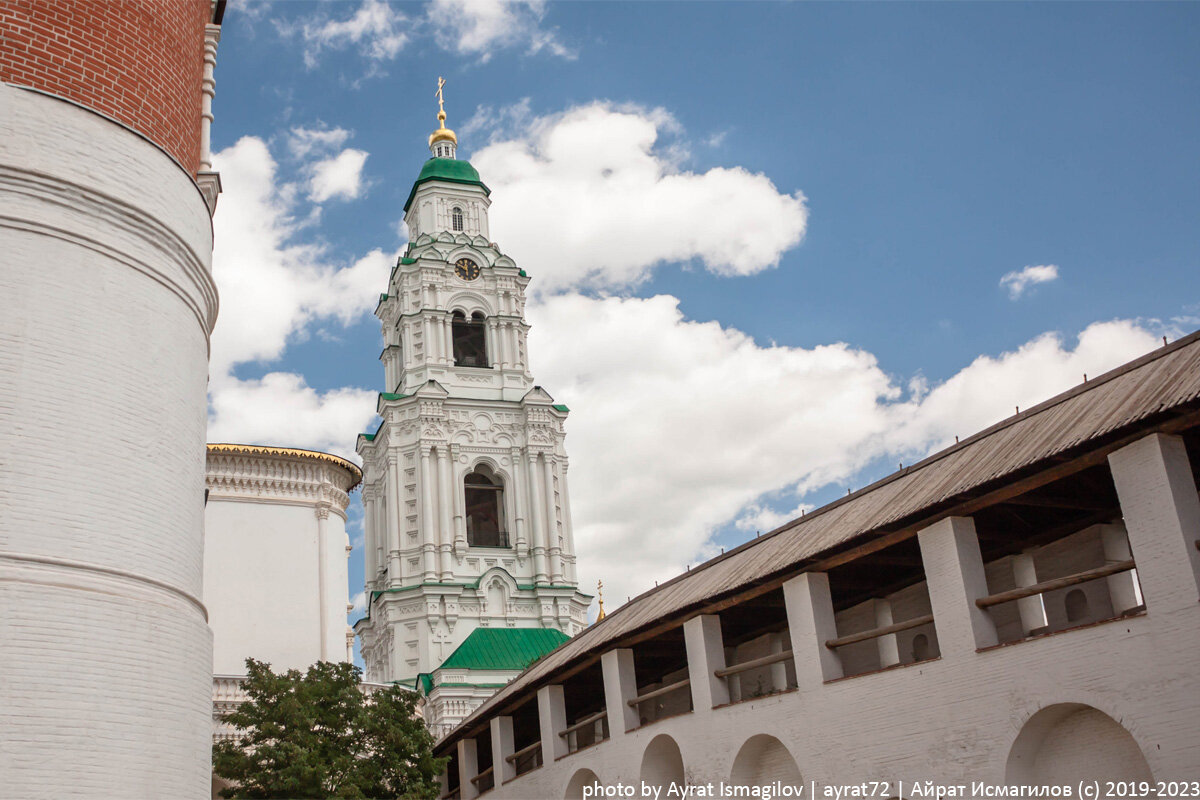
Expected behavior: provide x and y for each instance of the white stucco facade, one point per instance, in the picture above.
(450, 419)
(108, 305)
(275, 556)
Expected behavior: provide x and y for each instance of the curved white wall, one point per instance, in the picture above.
(107, 306)
(275, 552)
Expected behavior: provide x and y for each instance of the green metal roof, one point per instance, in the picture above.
(392, 395)
(446, 169)
(560, 407)
(504, 648)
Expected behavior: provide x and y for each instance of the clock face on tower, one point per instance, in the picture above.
(466, 269)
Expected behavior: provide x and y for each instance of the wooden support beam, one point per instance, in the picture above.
(1056, 583)
(641, 698)
(583, 723)
(774, 658)
(875, 633)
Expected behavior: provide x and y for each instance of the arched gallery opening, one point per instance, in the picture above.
(581, 778)
(763, 760)
(662, 763)
(1070, 742)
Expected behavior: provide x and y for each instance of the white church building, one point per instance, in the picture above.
(469, 548)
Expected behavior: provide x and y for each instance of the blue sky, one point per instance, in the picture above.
(797, 279)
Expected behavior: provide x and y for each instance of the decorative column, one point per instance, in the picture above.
(460, 510)
(381, 559)
(955, 577)
(428, 518)
(322, 512)
(569, 564)
(505, 359)
(1162, 516)
(551, 520)
(889, 649)
(493, 351)
(705, 655)
(811, 623)
(552, 719)
(448, 340)
(520, 481)
(445, 522)
(1031, 609)
(370, 568)
(208, 89)
(620, 686)
(393, 509)
(539, 533)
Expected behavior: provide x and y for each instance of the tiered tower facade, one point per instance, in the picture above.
(106, 192)
(468, 516)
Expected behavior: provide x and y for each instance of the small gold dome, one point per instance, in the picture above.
(442, 134)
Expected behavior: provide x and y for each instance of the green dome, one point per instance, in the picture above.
(446, 169)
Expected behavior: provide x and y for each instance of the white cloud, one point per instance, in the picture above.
(760, 518)
(359, 603)
(376, 28)
(586, 199)
(1017, 282)
(679, 427)
(273, 287)
(304, 141)
(281, 409)
(478, 27)
(337, 177)
(992, 388)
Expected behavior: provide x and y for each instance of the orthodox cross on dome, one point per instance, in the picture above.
(442, 142)
(600, 596)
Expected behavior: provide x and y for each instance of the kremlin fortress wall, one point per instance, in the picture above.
(104, 343)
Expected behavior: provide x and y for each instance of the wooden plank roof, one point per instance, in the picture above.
(1148, 391)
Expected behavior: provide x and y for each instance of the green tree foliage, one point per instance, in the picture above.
(317, 735)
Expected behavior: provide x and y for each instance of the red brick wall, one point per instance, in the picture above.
(138, 61)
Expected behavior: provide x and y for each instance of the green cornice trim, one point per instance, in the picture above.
(561, 407)
(406, 260)
(392, 396)
(526, 587)
(521, 586)
(521, 272)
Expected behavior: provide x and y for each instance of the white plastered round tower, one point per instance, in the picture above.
(107, 306)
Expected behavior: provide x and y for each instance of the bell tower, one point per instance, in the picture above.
(468, 516)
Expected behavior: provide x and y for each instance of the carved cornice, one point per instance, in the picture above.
(280, 474)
